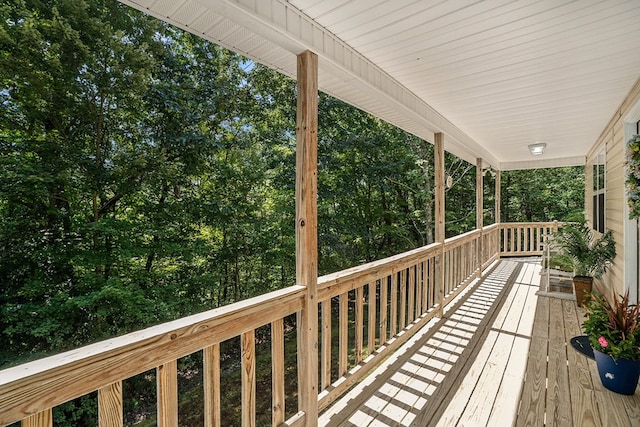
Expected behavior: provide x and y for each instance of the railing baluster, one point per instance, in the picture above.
(384, 309)
(371, 306)
(403, 298)
(211, 379)
(41, 419)
(110, 413)
(167, 379)
(249, 378)
(419, 289)
(394, 305)
(343, 318)
(325, 362)
(359, 327)
(277, 372)
(412, 295)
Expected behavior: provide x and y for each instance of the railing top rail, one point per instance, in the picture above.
(462, 238)
(375, 268)
(529, 224)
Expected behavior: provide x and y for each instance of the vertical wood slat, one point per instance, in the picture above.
(393, 327)
(343, 319)
(167, 380)
(384, 309)
(403, 298)
(110, 412)
(277, 373)
(211, 379)
(426, 285)
(249, 378)
(419, 289)
(371, 346)
(41, 419)
(359, 329)
(412, 294)
(325, 377)
(307, 231)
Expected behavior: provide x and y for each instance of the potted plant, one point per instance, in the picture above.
(590, 255)
(614, 334)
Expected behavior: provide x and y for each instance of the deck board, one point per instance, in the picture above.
(500, 356)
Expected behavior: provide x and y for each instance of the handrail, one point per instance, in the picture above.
(389, 300)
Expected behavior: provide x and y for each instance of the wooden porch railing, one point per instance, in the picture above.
(525, 238)
(389, 300)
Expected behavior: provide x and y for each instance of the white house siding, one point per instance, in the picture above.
(613, 138)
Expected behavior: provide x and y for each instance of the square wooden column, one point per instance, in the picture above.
(307, 233)
(440, 211)
(498, 195)
(479, 213)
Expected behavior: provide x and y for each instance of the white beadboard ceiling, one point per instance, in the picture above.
(494, 76)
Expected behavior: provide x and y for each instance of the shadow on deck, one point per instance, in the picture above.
(498, 357)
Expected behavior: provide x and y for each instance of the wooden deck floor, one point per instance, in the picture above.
(499, 357)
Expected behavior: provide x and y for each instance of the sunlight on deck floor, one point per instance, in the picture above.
(499, 357)
(488, 326)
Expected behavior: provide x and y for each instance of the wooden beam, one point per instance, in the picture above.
(498, 195)
(307, 232)
(479, 213)
(440, 209)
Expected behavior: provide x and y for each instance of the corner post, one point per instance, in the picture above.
(440, 213)
(307, 232)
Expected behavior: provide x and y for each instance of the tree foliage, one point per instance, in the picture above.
(147, 174)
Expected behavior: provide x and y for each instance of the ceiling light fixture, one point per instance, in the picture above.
(537, 149)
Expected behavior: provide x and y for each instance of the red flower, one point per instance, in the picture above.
(603, 342)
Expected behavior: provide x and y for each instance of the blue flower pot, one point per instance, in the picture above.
(620, 376)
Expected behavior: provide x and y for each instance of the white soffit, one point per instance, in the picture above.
(494, 76)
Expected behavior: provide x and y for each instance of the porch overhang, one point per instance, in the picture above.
(494, 76)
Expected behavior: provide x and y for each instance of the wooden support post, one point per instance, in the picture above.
(110, 412)
(479, 214)
(167, 379)
(307, 232)
(440, 234)
(498, 195)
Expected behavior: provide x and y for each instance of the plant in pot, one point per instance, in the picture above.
(614, 333)
(590, 255)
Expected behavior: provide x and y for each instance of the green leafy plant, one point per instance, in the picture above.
(613, 328)
(633, 176)
(590, 255)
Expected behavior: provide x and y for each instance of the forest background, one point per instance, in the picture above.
(147, 174)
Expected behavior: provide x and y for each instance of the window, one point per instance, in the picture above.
(599, 181)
